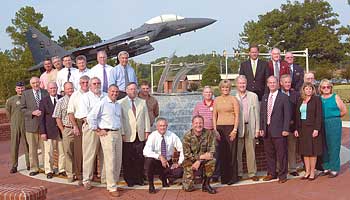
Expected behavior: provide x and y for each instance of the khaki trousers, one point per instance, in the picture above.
(34, 141)
(68, 149)
(91, 147)
(49, 147)
(112, 151)
(292, 143)
(249, 144)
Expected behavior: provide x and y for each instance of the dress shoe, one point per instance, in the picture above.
(33, 173)
(62, 174)
(254, 178)
(114, 193)
(305, 177)
(49, 175)
(311, 178)
(130, 184)
(269, 178)
(206, 186)
(231, 182)
(240, 177)
(333, 174)
(191, 189)
(151, 189)
(282, 180)
(87, 186)
(294, 173)
(13, 170)
(215, 179)
(141, 183)
(28, 168)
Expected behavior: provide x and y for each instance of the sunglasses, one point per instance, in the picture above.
(96, 83)
(326, 87)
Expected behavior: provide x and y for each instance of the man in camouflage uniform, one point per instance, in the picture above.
(13, 108)
(199, 148)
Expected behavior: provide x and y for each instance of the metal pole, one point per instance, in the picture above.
(307, 59)
(152, 78)
(226, 58)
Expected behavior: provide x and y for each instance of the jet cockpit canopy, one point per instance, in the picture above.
(164, 18)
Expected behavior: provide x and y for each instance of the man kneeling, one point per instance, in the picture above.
(199, 148)
(158, 153)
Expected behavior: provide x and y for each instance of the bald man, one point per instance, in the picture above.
(30, 107)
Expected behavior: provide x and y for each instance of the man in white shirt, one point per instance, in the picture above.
(122, 74)
(91, 142)
(65, 74)
(102, 70)
(104, 120)
(159, 151)
(76, 118)
(80, 61)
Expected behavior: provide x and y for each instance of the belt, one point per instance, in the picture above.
(245, 122)
(106, 129)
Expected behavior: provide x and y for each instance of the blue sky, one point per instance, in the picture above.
(109, 18)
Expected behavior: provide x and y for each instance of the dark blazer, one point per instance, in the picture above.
(256, 84)
(284, 68)
(280, 116)
(28, 105)
(48, 124)
(293, 100)
(298, 77)
(313, 113)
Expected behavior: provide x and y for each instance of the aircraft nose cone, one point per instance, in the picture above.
(203, 22)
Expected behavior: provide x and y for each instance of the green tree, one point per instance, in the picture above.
(75, 38)
(311, 24)
(211, 75)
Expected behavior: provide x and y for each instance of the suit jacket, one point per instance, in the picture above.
(257, 83)
(131, 125)
(280, 116)
(48, 124)
(28, 105)
(298, 77)
(284, 68)
(313, 113)
(254, 115)
(293, 100)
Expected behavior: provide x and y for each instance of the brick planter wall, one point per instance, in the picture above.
(5, 132)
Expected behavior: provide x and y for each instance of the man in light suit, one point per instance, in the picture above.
(50, 133)
(256, 72)
(248, 128)
(135, 130)
(30, 107)
(274, 127)
(296, 72)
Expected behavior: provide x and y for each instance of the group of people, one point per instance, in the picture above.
(98, 113)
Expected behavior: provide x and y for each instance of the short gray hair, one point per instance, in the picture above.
(123, 53)
(241, 77)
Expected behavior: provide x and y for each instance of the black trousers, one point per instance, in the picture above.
(227, 155)
(276, 150)
(133, 161)
(154, 166)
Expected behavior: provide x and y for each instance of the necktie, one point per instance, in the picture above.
(254, 67)
(163, 147)
(105, 80)
(126, 77)
(133, 107)
(54, 101)
(37, 98)
(291, 70)
(269, 109)
(69, 74)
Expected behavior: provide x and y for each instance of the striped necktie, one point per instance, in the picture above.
(37, 98)
(69, 74)
(105, 80)
(269, 109)
(126, 77)
(163, 147)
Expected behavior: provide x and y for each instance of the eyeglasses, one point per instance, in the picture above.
(326, 87)
(98, 83)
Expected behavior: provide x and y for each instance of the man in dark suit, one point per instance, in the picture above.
(277, 66)
(274, 127)
(256, 71)
(50, 132)
(30, 107)
(296, 72)
(286, 82)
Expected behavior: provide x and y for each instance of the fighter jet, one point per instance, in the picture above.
(135, 42)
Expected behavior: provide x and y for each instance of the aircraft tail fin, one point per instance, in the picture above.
(42, 47)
